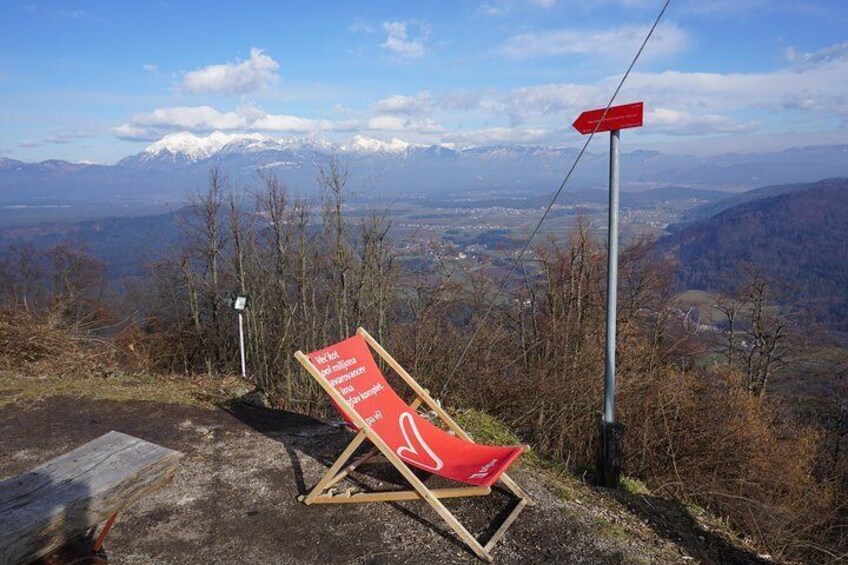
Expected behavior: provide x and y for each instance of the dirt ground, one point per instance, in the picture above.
(234, 499)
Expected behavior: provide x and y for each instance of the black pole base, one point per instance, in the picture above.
(610, 454)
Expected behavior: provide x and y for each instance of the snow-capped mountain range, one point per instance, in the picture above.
(185, 147)
(179, 164)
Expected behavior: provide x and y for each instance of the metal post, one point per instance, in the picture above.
(612, 281)
(610, 434)
(241, 345)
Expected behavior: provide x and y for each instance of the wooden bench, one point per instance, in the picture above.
(71, 495)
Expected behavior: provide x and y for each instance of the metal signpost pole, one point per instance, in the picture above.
(612, 281)
(610, 433)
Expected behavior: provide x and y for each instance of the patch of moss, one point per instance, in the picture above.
(484, 428)
(564, 485)
(610, 530)
(711, 522)
(634, 486)
(635, 560)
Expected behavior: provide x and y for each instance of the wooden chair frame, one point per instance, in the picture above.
(336, 472)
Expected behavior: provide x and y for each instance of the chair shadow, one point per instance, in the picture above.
(503, 499)
(671, 520)
(301, 434)
(284, 427)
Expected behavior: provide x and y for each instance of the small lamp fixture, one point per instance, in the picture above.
(239, 302)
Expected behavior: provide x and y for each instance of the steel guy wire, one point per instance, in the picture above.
(553, 200)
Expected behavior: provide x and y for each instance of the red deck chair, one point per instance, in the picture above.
(349, 374)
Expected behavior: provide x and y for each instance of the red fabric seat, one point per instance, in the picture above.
(350, 368)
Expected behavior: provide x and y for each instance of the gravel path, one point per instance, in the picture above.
(234, 498)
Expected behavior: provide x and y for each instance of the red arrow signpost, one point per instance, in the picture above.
(617, 117)
(612, 119)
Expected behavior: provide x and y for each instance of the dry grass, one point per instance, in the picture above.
(17, 388)
(42, 356)
(43, 342)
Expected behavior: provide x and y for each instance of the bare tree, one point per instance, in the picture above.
(23, 276)
(755, 328)
(333, 176)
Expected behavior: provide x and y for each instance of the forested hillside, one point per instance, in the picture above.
(122, 244)
(797, 239)
(715, 207)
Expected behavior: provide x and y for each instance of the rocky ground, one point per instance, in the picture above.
(234, 499)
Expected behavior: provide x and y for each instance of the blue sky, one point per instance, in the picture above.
(100, 80)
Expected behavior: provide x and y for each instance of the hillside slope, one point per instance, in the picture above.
(234, 499)
(799, 238)
(123, 244)
(715, 207)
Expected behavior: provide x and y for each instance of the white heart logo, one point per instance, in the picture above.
(411, 451)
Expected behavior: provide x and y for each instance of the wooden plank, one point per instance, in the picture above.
(387, 496)
(335, 468)
(506, 524)
(352, 467)
(62, 498)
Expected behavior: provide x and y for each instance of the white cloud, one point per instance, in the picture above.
(68, 137)
(408, 105)
(488, 136)
(253, 75)
(519, 105)
(199, 119)
(493, 10)
(497, 8)
(616, 43)
(150, 67)
(69, 14)
(805, 60)
(193, 118)
(397, 123)
(290, 124)
(130, 132)
(677, 103)
(400, 42)
(818, 84)
(348, 125)
(808, 86)
(676, 122)
(56, 139)
(728, 7)
(360, 26)
(548, 99)
(463, 100)
(386, 123)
